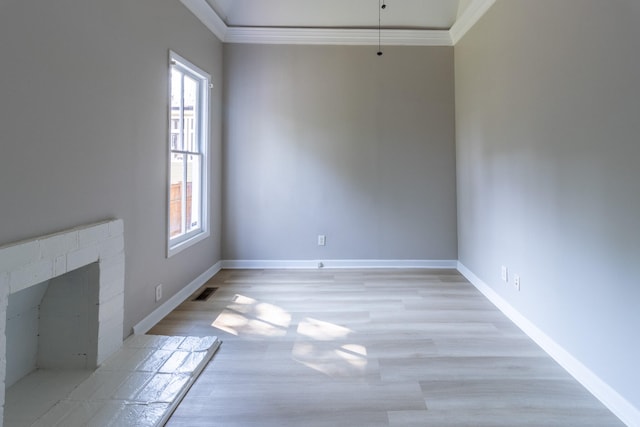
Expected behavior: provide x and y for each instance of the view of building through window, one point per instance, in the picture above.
(187, 152)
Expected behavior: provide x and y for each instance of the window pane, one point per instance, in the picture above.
(176, 193)
(190, 113)
(194, 191)
(176, 110)
(188, 154)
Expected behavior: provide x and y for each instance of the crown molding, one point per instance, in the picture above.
(471, 15)
(328, 36)
(204, 12)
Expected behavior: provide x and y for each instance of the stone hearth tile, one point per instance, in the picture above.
(155, 360)
(172, 343)
(175, 362)
(162, 388)
(142, 415)
(132, 386)
(197, 343)
(139, 385)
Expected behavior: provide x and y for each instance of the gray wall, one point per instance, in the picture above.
(547, 123)
(83, 128)
(334, 140)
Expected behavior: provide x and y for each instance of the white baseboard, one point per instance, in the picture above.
(616, 403)
(169, 305)
(159, 313)
(621, 407)
(340, 263)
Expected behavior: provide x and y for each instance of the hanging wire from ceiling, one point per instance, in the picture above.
(381, 6)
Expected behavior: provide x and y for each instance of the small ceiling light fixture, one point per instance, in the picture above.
(381, 6)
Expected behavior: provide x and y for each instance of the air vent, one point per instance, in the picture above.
(205, 294)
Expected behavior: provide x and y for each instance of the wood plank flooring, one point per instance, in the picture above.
(392, 348)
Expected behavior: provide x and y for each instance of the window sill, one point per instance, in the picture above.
(174, 248)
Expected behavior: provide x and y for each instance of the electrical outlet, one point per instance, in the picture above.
(516, 282)
(504, 273)
(158, 293)
(322, 240)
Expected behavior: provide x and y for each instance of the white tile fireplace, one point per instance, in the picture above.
(61, 302)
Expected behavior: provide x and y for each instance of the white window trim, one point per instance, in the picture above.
(187, 240)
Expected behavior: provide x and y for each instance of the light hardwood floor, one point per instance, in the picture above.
(369, 348)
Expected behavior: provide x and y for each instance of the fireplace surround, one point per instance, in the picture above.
(91, 254)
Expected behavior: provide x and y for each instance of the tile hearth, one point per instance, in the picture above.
(141, 384)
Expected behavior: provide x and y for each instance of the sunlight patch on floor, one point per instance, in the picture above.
(249, 317)
(322, 331)
(317, 349)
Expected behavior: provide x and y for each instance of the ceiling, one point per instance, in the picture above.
(414, 14)
(404, 22)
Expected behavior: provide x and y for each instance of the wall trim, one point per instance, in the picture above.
(169, 305)
(616, 403)
(337, 36)
(469, 18)
(329, 36)
(211, 20)
(346, 263)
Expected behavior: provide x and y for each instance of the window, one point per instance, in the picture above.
(188, 154)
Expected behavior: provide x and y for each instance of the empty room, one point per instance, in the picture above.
(294, 213)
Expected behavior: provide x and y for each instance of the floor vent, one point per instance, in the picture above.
(205, 294)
